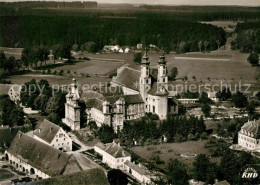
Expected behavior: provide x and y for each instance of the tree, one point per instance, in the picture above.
(251, 108)
(204, 98)
(200, 44)
(203, 169)
(258, 96)
(253, 58)
(138, 57)
(117, 177)
(177, 172)
(174, 73)
(182, 47)
(57, 51)
(11, 114)
(206, 44)
(65, 52)
(91, 47)
(229, 167)
(239, 99)
(206, 109)
(224, 94)
(106, 133)
(2, 59)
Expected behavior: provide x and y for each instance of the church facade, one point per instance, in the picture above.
(132, 94)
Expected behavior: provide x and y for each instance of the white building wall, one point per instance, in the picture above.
(248, 142)
(61, 140)
(116, 163)
(23, 166)
(158, 105)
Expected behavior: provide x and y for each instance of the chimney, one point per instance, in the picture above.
(50, 129)
(59, 155)
(20, 135)
(39, 130)
(140, 166)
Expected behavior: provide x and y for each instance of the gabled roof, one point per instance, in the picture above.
(94, 103)
(133, 99)
(116, 151)
(100, 145)
(110, 91)
(252, 127)
(40, 156)
(136, 168)
(158, 90)
(46, 130)
(128, 77)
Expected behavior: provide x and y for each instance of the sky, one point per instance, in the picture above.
(174, 2)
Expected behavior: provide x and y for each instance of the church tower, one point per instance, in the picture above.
(145, 79)
(72, 108)
(162, 72)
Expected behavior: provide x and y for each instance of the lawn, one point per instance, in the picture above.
(172, 151)
(5, 174)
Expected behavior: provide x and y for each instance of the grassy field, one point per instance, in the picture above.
(173, 151)
(58, 80)
(95, 67)
(226, 66)
(16, 52)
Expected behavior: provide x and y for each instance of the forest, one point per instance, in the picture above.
(27, 31)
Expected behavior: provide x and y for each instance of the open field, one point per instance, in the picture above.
(228, 26)
(172, 151)
(226, 66)
(95, 67)
(58, 80)
(16, 52)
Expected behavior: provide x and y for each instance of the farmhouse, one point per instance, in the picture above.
(132, 94)
(53, 135)
(33, 157)
(139, 173)
(113, 155)
(249, 135)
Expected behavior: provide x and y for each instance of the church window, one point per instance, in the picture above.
(163, 79)
(153, 108)
(147, 81)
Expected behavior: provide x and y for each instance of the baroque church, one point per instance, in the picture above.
(131, 95)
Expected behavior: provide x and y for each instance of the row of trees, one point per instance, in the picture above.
(174, 128)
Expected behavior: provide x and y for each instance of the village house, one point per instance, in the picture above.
(29, 155)
(53, 135)
(132, 94)
(138, 172)
(249, 135)
(12, 90)
(112, 154)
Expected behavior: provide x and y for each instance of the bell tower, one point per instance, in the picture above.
(72, 108)
(145, 79)
(162, 72)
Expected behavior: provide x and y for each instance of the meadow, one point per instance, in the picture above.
(169, 151)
